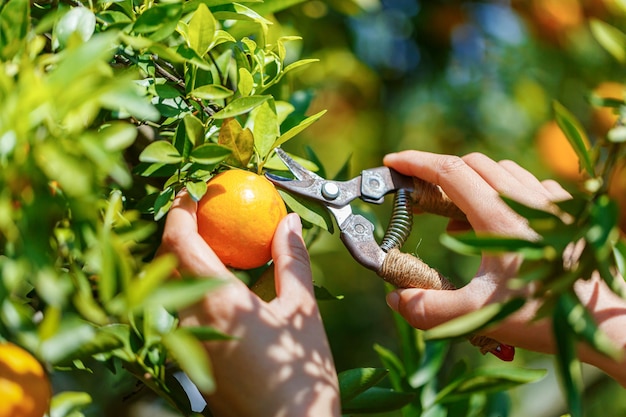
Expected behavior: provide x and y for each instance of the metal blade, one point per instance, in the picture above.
(296, 169)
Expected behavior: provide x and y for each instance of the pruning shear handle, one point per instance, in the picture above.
(357, 233)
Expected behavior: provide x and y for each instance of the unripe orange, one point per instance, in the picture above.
(238, 216)
(24, 387)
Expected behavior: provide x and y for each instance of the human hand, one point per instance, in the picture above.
(474, 183)
(279, 362)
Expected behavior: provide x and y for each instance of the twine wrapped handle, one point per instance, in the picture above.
(404, 270)
(431, 198)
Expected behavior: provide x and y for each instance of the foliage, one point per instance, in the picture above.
(110, 108)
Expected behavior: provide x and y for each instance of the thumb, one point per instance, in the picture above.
(425, 309)
(294, 284)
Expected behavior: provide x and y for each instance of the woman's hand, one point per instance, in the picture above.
(474, 183)
(279, 362)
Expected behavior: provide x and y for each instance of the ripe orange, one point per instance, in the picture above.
(24, 387)
(237, 217)
(557, 153)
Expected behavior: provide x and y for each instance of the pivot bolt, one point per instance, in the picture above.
(330, 191)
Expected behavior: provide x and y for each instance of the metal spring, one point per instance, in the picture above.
(400, 223)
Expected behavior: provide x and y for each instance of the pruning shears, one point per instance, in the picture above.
(402, 270)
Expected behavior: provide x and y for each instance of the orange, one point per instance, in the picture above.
(24, 387)
(604, 118)
(557, 153)
(238, 216)
(617, 191)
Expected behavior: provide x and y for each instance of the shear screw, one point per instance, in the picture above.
(374, 183)
(330, 191)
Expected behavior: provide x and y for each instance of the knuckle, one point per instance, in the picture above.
(450, 164)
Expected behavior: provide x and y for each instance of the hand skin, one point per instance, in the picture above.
(279, 363)
(474, 182)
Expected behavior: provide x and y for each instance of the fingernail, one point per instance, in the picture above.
(294, 223)
(393, 299)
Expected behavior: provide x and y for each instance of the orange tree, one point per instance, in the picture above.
(110, 108)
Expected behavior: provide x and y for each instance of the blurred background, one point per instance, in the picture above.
(449, 77)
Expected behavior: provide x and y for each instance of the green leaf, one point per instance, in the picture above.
(377, 400)
(245, 85)
(103, 341)
(14, 24)
(176, 294)
(269, 7)
(209, 154)
(584, 326)
(322, 294)
(163, 202)
(201, 30)
(70, 337)
(471, 244)
(194, 129)
(299, 128)
(157, 321)
(603, 229)
(610, 37)
(196, 189)
(237, 11)
(310, 211)
(476, 320)
(393, 364)
(162, 152)
(264, 129)
(240, 106)
(568, 364)
(117, 136)
(78, 21)
(206, 333)
(239, 141)
(433, 359)
(192, 358)
(487, 380)
(355, 381)
(69, 403)
(575, 134)
(148, 280)
(64, 168)
(211, 92)
(619, 252)
(298, 64)
(275, 163)
(159, 21)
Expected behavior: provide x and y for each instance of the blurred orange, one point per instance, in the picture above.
(617, 191)
(551, 19)
(24, 387)
(557, 153)
(604, 118)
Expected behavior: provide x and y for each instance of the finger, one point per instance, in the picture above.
(294, 284)
(524, 177)
(180, 237)
(556, 191)
(481, 203)
(425, 309)
(510, 180)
